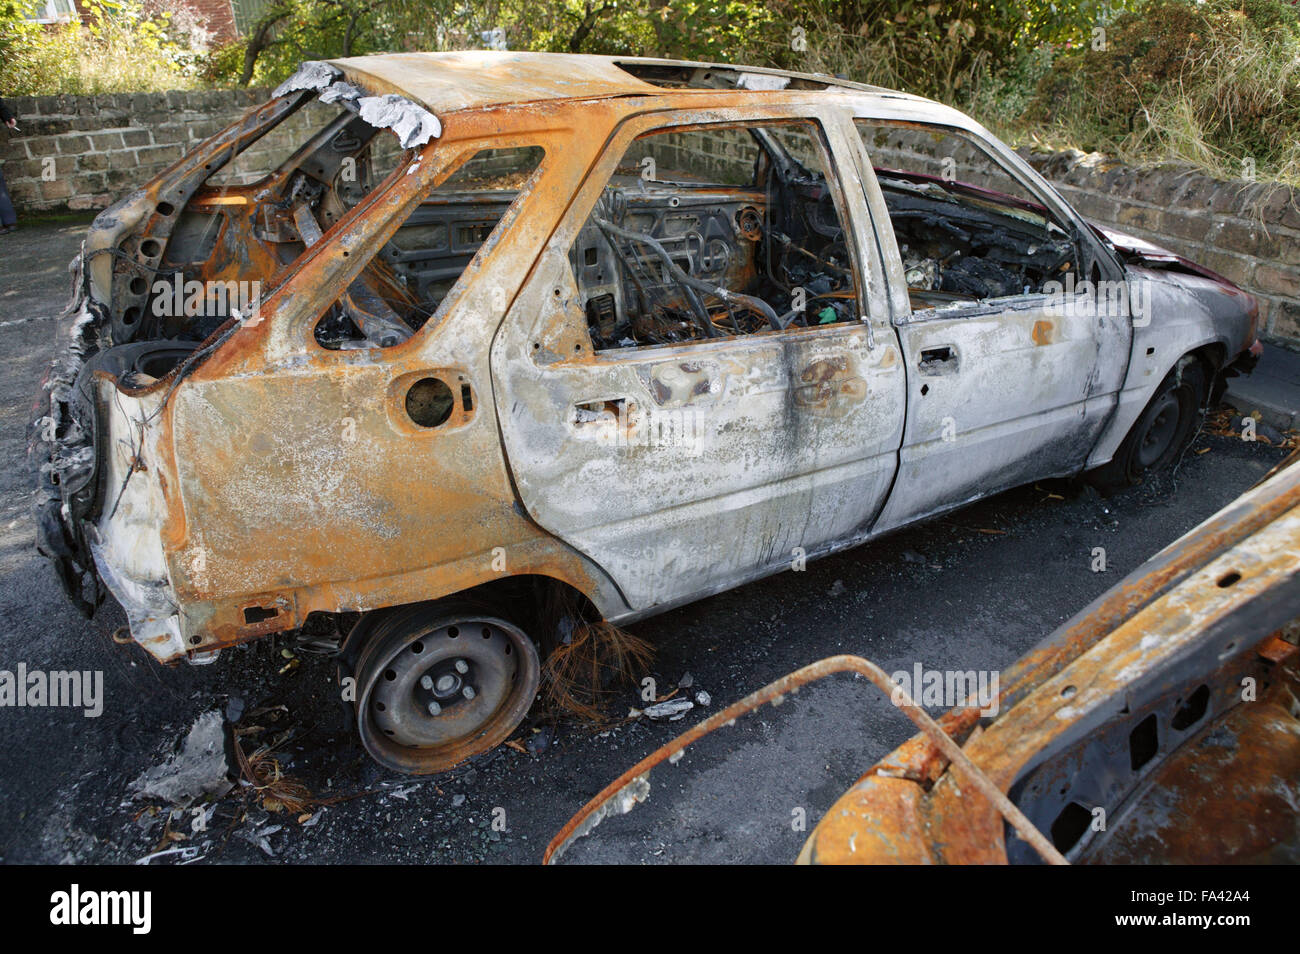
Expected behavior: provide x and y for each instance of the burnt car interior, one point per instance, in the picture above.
(709, 231)
(966, 229)
(261, 211)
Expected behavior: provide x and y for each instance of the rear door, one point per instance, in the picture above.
(683, 456)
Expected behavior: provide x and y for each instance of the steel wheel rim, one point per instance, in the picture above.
(498, 664)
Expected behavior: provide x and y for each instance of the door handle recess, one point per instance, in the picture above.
(614, 409)
(938, 359)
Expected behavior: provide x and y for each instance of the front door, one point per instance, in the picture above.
(1013, 358)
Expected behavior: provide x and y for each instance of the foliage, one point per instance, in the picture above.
(1209, 81)
(945, 50)
(1214, 83)
(121, 47)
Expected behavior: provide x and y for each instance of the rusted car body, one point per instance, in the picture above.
(523, 362)
(1161, 724)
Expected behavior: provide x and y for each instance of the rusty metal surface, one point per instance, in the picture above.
(633, 785)
(1240, 783)
(1181, 619)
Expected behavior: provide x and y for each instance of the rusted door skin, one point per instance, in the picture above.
(798, 430)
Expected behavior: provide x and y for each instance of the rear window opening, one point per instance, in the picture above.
(221, 253)
(413, 274)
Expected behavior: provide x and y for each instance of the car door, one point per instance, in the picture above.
(685, 467)
(1003, 388)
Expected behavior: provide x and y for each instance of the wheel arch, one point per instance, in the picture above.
(1211, 352)
(534, 601)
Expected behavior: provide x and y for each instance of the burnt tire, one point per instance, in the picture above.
(1161, 432)
(439, 683)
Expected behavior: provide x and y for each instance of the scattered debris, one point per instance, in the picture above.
(185, 855)
(579, 675)
(275, 790)
(540, 740)
(672, 710)
(198, 771)
(702, 698)
(260, 838)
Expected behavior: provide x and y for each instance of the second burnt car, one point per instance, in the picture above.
(504, 340)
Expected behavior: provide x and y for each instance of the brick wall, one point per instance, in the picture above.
(83, 152)
(220, 17)
(1248, 232)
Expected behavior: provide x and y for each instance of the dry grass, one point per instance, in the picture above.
(1215, 85)
(272, 788)
(580, 676)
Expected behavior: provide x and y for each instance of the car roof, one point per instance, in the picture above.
(477, 79)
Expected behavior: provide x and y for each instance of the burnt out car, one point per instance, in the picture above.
(501, 341)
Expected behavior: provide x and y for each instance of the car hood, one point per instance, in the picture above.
(1136, 251)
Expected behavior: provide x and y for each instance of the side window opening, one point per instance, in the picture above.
(711, 231)
(967, 229)
(404, 285)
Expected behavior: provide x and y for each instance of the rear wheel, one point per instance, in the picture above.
(1160, 433)
(437, 684)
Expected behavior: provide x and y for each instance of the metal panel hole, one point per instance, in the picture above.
(1070, 826)
(429, 402)
(259, 614)
(1193, 709)
(1143, 743)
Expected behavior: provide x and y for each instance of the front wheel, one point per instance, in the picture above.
(1160, 433)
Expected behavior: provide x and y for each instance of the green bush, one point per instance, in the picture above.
(1214, 83)
(120, 49)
